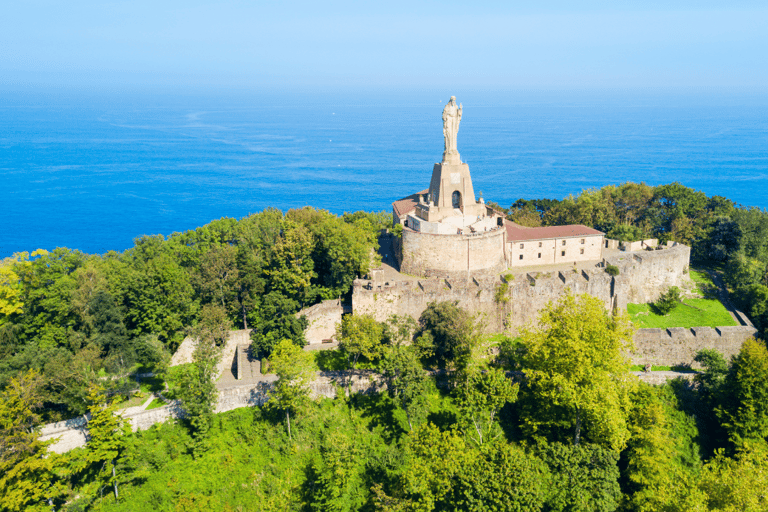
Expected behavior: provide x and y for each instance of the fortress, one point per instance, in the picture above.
(447, 233)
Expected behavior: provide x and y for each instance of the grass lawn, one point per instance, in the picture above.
(712, 314)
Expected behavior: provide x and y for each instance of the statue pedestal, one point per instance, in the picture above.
(452, 158)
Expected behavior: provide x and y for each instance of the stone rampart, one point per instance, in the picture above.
(432, 255)
(73, 433)
(678, 346)
(322, 319)
(510, 302)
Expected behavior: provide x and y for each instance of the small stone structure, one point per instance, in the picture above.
(185, 351)
(322, 319)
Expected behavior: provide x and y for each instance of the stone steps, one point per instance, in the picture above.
(248, 368)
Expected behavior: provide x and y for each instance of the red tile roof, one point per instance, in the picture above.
(407, 204)
(517, 233)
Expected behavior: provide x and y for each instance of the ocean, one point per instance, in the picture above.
(93, 171)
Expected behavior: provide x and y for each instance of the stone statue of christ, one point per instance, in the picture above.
(451, 119)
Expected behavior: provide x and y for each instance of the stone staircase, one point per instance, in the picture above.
(248, 368)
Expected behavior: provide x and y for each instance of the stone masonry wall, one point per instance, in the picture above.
(678, 346)
(425, 254)
(73, 433)
(322, 319)
(643, 276)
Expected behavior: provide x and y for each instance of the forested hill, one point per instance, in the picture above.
(552, 420)
(75, 316)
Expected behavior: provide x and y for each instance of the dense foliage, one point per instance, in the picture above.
(76, 318)
(573, 432)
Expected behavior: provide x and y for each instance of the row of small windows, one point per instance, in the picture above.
(522, 246)
(562, 253)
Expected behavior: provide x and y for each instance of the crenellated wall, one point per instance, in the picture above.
(678, 346)
(643, 276)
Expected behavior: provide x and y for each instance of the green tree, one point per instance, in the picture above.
(360, 335)
(502, 478)
(578, 372)
(742, 270)
(197, 387)
(667, 301)
(219, 275)
(107, 435)
(661, 478)
(584, 478)
(406, 382)
(294, 368)
(744, 407)
(737, 484)
(480, 402)
(456, 337)
(27, 478)
(435, 459)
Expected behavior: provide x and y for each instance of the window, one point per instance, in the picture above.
(539, 244)
(562, 253)
(582, 251)
(522, 245)
(582, 240)
(563, 242)
(539, 255)
(521, 256)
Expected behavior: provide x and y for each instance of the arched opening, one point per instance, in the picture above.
(456, 199)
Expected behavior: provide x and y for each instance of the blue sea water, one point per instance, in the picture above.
(93, 172)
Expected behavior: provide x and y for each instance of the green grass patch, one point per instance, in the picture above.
(700, 277)
(157, 402)
(654, 368)
(710, 313)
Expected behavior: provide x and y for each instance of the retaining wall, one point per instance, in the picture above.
(678, 346)
(73, 433)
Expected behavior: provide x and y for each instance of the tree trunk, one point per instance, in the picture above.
(288, 420)
(577, 432)
(114, 480)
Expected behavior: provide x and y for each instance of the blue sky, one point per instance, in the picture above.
(383, 45)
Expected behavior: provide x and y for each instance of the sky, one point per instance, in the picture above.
(383, 45)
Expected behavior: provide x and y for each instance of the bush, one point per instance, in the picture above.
(667, 301)
(612, 270)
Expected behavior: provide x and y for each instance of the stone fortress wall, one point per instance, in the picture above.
(678, 346)
(428, 255)
(73, 433)
(643, 276)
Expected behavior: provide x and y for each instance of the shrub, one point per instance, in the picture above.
(667, 301)
(612, 270)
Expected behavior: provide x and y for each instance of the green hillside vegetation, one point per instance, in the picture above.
(551, 420)
(79, 318)
(579, 433)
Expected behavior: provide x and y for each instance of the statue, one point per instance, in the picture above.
(451, 119)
